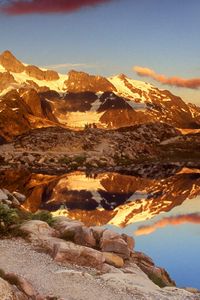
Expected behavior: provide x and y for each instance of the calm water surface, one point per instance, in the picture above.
(161, 210)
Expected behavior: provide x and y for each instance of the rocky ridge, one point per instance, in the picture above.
(58, 150)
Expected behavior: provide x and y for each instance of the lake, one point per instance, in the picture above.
(159, 207)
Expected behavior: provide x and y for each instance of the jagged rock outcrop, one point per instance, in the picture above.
(80, 82)
(23, 110)
(11, 63)
(32, 99)
(39, 74)
(6, 80)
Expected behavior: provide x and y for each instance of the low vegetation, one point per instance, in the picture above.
(10, 219)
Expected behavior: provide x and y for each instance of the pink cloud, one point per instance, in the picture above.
(193, 83)
(22, 7)
(177, 220)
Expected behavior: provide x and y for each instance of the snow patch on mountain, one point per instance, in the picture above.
(56, 85)
(79, 119)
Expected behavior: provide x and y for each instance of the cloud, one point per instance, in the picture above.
(177, 220)
(69, 65)
(193, 83)
(21, 7)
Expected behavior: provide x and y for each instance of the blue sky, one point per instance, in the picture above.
(113, 37)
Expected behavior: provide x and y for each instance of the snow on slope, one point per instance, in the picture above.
(79, 119)
(56, 85)
(21, 78)
(123, 90)
(138, 91)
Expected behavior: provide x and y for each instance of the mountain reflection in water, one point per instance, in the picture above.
(106, 198)
(160, 206)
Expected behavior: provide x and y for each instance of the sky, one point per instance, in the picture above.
(109, 37)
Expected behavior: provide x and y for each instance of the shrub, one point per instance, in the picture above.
(8, 217)
(43, 216)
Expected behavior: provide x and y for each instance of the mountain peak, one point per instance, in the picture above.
(122, 76)
(7, 53)
(79, 82)
(10, 62)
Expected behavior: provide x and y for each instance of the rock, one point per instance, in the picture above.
(39, 74)
(85, 237)
(21, 198)
(129, 240)
(137, 284)
(75, 231)
(6, 292)
(87, 83)
(97, 233)
(12, 200)
(3, 195)
(18, 295)
(32, 99)
(127, 282)
(113, 242)
(10, 62)
(106, 268)
(113, 259)
(37, 228)
(138, 257)
(6, 79)
(63, 251)
(69, 252)
(156, 274)
(192, 290)
(15, 202)
(42, 160)
(22, 284)
(15, 287)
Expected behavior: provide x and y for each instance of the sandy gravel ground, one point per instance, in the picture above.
(49, 278)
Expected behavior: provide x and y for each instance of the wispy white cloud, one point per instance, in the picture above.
(70, 65)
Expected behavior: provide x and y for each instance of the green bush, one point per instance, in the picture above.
(43, 216)
(11, 219)
(8, 217)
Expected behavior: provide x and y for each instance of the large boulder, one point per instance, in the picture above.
(70, 252)
(75, 231)
(64, 252)
(113, 242)
(113, 259)
(129, 240)
(37, 228)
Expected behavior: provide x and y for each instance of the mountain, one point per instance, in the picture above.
(32, 97)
